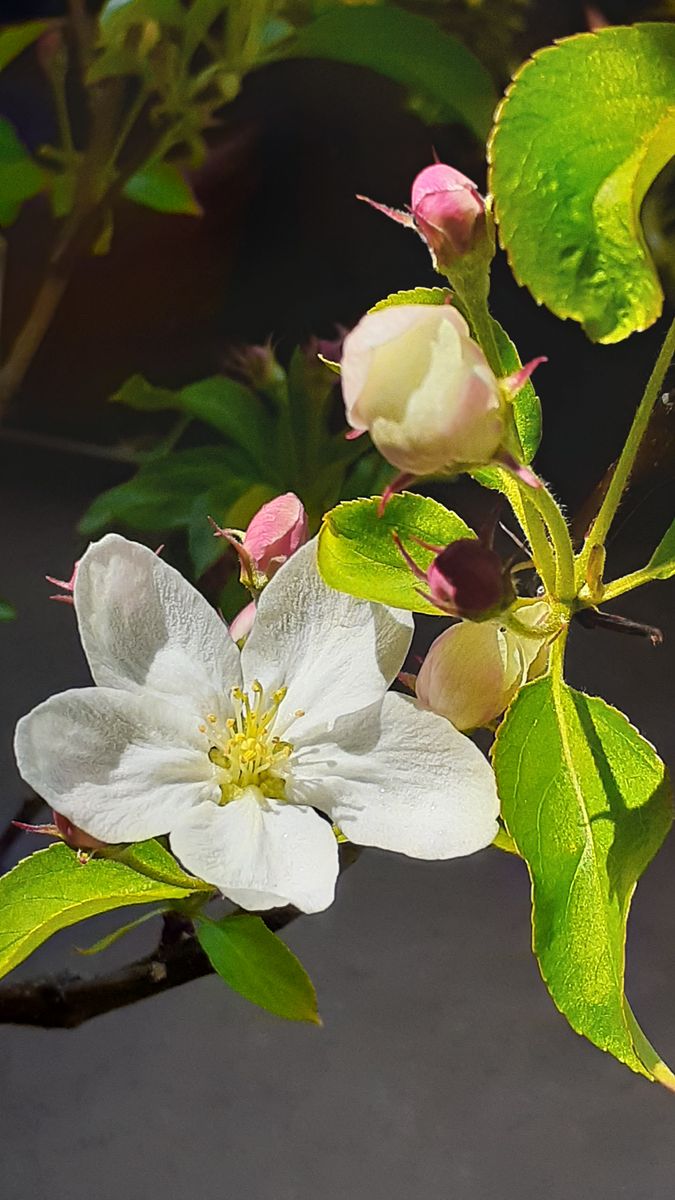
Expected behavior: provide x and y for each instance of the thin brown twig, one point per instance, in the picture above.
(66, 1001)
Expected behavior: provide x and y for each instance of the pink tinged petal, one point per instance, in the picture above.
(261, 853)
(402, 218)
(513, 383)
(440, 178)
(470, 674)
(402, 779)
(144, 627)
(276, 532)
(242, 624)
(333, 652)
(521, 470)
(119, 766)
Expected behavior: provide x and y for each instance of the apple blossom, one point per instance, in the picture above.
(231, 753)
(414, 378)
(473, 670)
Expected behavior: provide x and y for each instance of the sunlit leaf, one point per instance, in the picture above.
(662, 562)
(587, 802)
(358, 555)
(585, 128)
(52, 889)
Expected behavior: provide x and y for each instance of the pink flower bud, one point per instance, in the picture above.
(75, 837)
(449, 213)
(414, 378)
(473, 671)
(242, 624)
(276, 532)
(446, 209)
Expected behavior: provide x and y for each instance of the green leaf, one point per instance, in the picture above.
(151, 859)
(20, 177)
(163, 494)
(163, 187)
(585, 128)
(257, 965)
(435, 68)
(418, 295)
(14, 39)
(526, 405)
(137, 393)
(662, 562)
(358, 555)
(52, 890)
(118, 16)
(587, 802)
(7, 612)
(110, 938)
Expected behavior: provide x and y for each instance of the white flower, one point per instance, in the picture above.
(413, 377)
(230, 753)
(474, 669)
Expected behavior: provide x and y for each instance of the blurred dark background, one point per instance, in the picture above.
(443, 1068)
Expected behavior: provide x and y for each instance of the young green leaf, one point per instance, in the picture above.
(587, 802)
(16, 38)
(162, 187)
(585, 128)
(662, 562)
(442, 77)
(164, 494)
(52, 890)
(418, 295)
(257, 965)
(20, 177)
(110, 939)
(358, 555)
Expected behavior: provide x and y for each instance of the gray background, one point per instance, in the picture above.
(442, 1068)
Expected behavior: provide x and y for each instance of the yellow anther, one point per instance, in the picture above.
(202, 728)
(299, 712)
(211, 718)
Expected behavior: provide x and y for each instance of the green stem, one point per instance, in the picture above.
(600, 527)
(556, 527)
(542, 550)
(626, 584)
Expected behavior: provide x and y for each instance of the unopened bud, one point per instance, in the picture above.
(473, 671)
(75, 837)
(276, 531)
(447, 211)
(414, 378)
(468, 579)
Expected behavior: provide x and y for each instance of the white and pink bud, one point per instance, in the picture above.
(415, 379)
(447, 211)
(241, 625)
(473, 671)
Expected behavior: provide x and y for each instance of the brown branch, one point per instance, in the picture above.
(66, 1001)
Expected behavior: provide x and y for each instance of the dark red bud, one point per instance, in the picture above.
(467, 579)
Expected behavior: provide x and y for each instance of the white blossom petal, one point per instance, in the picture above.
(260, 853)
(143, 626)
(400, 778)
(333, 652)
(122, 767)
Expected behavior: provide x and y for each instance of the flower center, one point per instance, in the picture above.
(245, 750)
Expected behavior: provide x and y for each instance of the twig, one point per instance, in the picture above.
(66, 1001)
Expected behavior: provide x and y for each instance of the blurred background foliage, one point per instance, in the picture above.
(222, 215)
